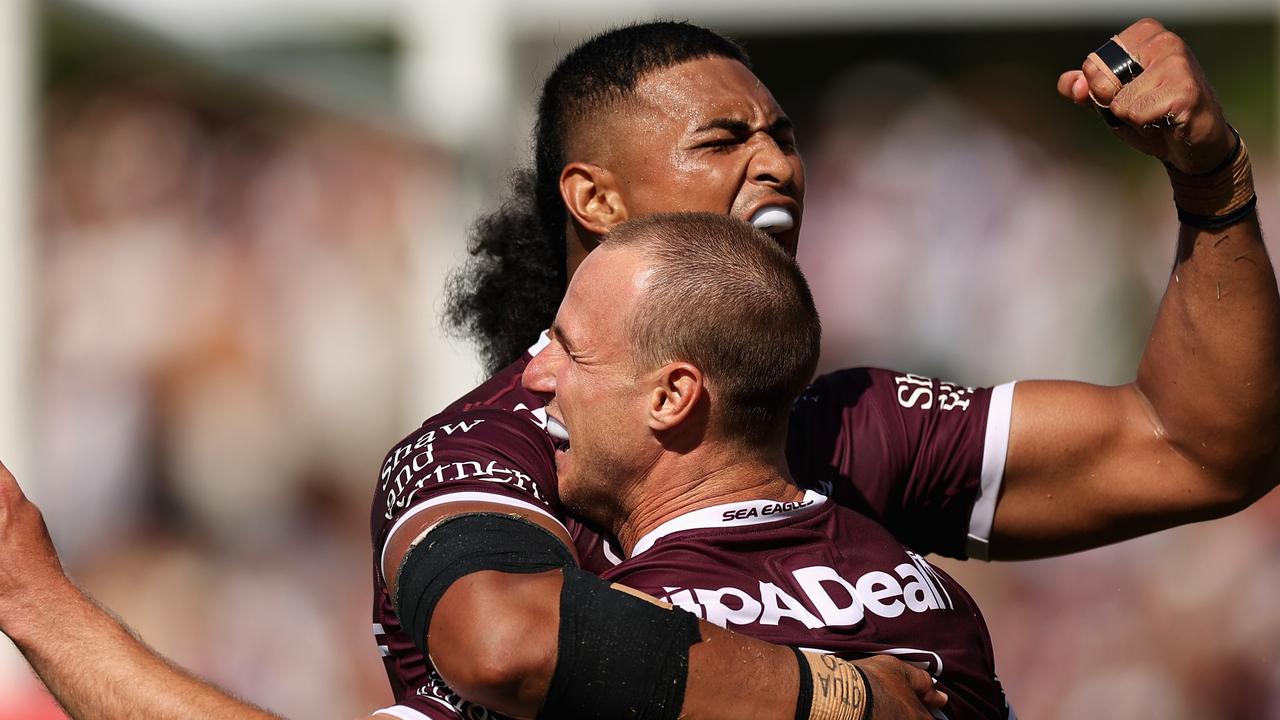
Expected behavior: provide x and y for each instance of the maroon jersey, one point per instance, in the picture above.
(490, 445)
(922, 457)
(819, 576)
(910, 452)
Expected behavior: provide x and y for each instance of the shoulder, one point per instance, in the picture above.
(880, 391)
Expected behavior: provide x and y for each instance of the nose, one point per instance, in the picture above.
(539, 376)
(771, 165)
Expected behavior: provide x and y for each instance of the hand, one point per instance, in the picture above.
(1169, 111)
(899, 690)
(29, 565)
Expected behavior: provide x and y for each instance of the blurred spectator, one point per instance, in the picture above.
(939, 239)
(222, 361)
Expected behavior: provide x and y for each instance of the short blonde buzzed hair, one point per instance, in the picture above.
(728, 299)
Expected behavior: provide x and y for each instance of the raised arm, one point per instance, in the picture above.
(1197, 434)
(92, 663)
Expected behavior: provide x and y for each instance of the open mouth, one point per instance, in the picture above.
(558, 432)
(773, 219)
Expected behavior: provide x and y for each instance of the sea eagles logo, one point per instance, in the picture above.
(763, 510)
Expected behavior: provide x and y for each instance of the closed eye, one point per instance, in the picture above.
(721, 144)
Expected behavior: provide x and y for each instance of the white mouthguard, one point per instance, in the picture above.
(556, 429)
(773, 219)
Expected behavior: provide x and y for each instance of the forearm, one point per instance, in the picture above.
(527, 641)
(729, 676)
(734, 676)
(494, 638)
(96, 668)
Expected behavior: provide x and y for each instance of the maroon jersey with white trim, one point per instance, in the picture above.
(905, 450)
(816, 575)
(491, 444)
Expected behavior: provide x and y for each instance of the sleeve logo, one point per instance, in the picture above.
(919, 392)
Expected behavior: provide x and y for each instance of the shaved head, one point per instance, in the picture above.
(725, 297)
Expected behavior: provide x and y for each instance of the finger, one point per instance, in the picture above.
(1135, 38)
(1158, 47)
(1102, 84)
(1126, 54)
(934, 699)
(1073, 86)
(1163, 106)
(920, 682)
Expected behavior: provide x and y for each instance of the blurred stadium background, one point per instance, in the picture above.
(224, 228)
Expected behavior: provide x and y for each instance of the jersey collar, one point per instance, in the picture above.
(737, 514)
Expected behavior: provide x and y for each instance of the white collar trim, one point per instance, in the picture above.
(747, 512)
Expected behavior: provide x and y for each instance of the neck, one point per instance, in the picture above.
(681, 483)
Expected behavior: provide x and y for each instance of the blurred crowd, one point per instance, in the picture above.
(223, 304)
(222, 352)
(943, 236)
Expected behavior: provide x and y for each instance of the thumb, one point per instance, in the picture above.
(922, 684)
(1073, 86)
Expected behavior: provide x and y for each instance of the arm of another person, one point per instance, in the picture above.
(1197, 434)
(474, 562)
(494, 637)
(93, 665)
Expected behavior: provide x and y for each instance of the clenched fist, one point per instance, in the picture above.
(1169, 110)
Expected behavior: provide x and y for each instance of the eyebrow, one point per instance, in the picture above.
(557, 333)
(742, 127)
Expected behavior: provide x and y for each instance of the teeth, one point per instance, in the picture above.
(773, 219)
(556, 429)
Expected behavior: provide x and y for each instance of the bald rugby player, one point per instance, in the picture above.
(680, 346)
(655, 118)
(1122, 462)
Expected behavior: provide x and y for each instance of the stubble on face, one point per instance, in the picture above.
(596, 394)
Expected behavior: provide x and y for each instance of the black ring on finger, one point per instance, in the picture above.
(1121, 63)
(1124, 67)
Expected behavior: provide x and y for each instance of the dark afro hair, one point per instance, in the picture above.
(509, 288)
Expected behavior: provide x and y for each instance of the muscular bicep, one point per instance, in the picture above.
(1089, 465)
(405, 535)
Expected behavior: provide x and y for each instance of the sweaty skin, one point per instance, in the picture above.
(1195, 435)
(1087, 465)
(713, 140)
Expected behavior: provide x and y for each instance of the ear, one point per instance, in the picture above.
(590, 194)
(675, 395)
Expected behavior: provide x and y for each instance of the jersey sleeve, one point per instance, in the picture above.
(468, 455)
(923, 457)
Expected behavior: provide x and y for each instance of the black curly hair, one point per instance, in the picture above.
(509, 288)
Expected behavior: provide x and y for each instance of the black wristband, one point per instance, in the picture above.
(1217, 222)
(1231, 156)
(804, 700)
(1229, 185)
(871, 698)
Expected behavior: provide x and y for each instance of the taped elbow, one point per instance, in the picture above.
(495, 635)
(479, 596)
